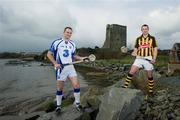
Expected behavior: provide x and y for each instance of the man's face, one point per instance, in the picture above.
(67, 33)
(145, 30)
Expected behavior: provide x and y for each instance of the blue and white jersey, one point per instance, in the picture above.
(63, 51)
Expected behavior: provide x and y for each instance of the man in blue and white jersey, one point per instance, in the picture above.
(62, 51)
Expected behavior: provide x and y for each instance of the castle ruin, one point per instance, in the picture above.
(115, 37)
(174, 58)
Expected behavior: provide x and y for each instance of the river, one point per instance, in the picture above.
(22, 82)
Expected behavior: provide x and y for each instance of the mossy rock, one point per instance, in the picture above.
(67, 102)
(51, 105)
(176, 72)
(91, 97)
(97, 74)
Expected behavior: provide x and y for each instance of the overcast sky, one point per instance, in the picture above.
(31, 25)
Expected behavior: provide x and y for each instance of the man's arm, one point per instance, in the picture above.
(134, 53)
(77, 57)
(155, 52)
(51, 58)
(136, 46)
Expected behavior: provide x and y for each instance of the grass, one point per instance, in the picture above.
(124, 60)
(67, 102)
(162, 60)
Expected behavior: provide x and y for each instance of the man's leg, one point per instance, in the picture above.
(76, 86)
(150, 81)
(129, 77)
(59, 94)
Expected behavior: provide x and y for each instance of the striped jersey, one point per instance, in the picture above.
(145, 45)
(63, 51)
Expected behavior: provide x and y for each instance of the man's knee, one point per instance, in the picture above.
(150, 74)
(132, 72)
(76, 85)
(60, 85)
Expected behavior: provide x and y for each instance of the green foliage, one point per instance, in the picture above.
(50, 106)
(41, 57)
(10, 55)
(67, 102)
(124, 59)
(162, 60)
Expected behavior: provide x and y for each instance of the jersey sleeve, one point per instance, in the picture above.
(154, 43)
(136, 43)
(74, 50)
(53, 47)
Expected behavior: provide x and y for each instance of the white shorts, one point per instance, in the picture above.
(67, 71)
(142, 63)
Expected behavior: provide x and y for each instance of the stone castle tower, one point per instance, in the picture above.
(115, 36)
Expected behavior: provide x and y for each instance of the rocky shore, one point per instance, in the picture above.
(113, 102)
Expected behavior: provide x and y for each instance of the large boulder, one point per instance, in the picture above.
(140, 79)
(120, 104)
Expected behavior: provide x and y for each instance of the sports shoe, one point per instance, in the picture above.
(58, 110)
(151, 94)
(123, 86)
(148, 96)
(63, 97)
(79, 108)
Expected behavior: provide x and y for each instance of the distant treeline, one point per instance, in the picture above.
(100, 53)
(15, 55)
(42, 57)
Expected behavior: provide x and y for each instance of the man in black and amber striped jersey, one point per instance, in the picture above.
(145, 50)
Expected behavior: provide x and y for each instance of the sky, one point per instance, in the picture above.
(32, 25)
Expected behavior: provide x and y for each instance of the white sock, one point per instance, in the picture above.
(59, 97)
(77, 96)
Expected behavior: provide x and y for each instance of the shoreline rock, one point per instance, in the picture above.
(120, 103)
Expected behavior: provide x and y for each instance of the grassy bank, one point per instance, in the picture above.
(162, 60)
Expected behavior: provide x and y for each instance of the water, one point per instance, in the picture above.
(24, 86)
(19, 83)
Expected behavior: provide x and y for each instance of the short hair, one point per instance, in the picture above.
(67, 28)
(144, 25)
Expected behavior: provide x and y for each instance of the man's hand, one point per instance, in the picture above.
(57, 66)
(51, 58)
(153, 61)
(79, 58)
(86, 59)
(134, 53)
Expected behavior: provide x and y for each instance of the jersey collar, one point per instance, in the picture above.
(146, 36)
(65, 41)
